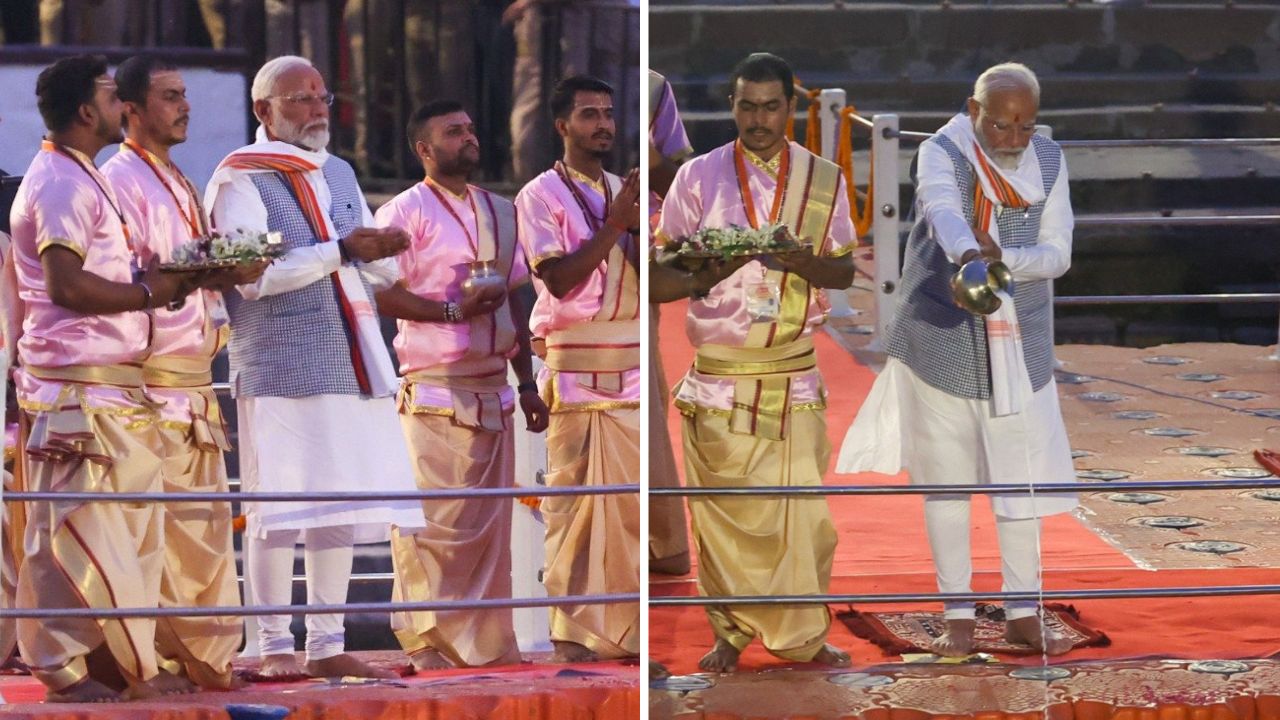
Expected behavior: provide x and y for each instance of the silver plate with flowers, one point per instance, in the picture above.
(689, 253)
(220, 251)
(1100, 397)
(1201, 377)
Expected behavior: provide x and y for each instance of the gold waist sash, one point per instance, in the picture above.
(476, 390)
(762, 387)
(123, 376)
(605, 349)
(177, 372)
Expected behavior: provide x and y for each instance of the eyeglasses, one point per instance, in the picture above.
(326, 99)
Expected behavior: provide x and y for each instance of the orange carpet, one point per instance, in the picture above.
(531, 691)
(883, 549)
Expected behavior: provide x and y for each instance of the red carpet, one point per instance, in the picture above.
(883, 549)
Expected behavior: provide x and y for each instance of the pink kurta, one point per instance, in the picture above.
(160, 223)
(666, 132)
(59, 203)
(434, 267)
(553, 225)
(705, 194)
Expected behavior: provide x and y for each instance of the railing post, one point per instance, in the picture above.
(885, 222)
(528, 536)
(832, 101)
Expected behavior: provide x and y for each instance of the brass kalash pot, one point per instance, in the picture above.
(975, 284)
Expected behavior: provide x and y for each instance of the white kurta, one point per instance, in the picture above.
(325, 443)
(941, 439)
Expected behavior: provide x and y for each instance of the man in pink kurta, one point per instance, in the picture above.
(578, 225)
(668, 529)
(457, 338)
(88, 423)
(165, 212)
(753, 403)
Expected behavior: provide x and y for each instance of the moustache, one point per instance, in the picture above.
(603, 135)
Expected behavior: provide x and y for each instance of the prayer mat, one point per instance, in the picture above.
(912, 631)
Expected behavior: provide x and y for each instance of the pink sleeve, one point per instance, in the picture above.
(540, 233)
(667, 133)
(682, 208)
(519, 268)
(393, 215)
(64, 213)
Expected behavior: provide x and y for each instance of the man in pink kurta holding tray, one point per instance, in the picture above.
(463, 307)
(88, 424)
(165, 212)
(579, 227)
(753, 402)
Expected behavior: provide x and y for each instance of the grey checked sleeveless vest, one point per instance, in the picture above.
(295, 344)
(946, 346)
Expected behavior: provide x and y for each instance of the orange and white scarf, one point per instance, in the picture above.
(995, 190)
(301, 170)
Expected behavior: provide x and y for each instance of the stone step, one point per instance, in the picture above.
(905, 92)
(875, 39)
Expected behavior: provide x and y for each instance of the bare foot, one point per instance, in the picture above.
(282, 665)
(832, 656)
(658, 671)
(723, 658)
(237, 683)
(166, 683)
(957, 641)
(673, 565)
(571, 652)
(1028, 631)
(345, 665)
(87, 690)
(429, 659)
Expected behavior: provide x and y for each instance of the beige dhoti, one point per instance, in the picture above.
(668, 534)
(592, 541)
(93, 554)
(464, 553)
(8, 574)
(761, 545)
(199, 566)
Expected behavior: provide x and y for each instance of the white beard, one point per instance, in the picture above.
(1003, 160)
(314, 139)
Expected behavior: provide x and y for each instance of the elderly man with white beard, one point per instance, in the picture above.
(968, 399)
(313, 381)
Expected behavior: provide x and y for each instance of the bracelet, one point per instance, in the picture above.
(452, 312)
(525, 387)
(146, 295)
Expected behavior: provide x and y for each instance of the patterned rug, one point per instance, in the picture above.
(912, 631)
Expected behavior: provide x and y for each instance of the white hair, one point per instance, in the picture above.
(265, 81)
(1005, 76)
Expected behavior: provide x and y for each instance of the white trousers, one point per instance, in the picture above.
(947, 520)
(328, 555)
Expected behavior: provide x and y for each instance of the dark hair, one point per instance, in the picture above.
(764, 67)
(66, 85)
(562, 97)
(133, 76)
(423, 114)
